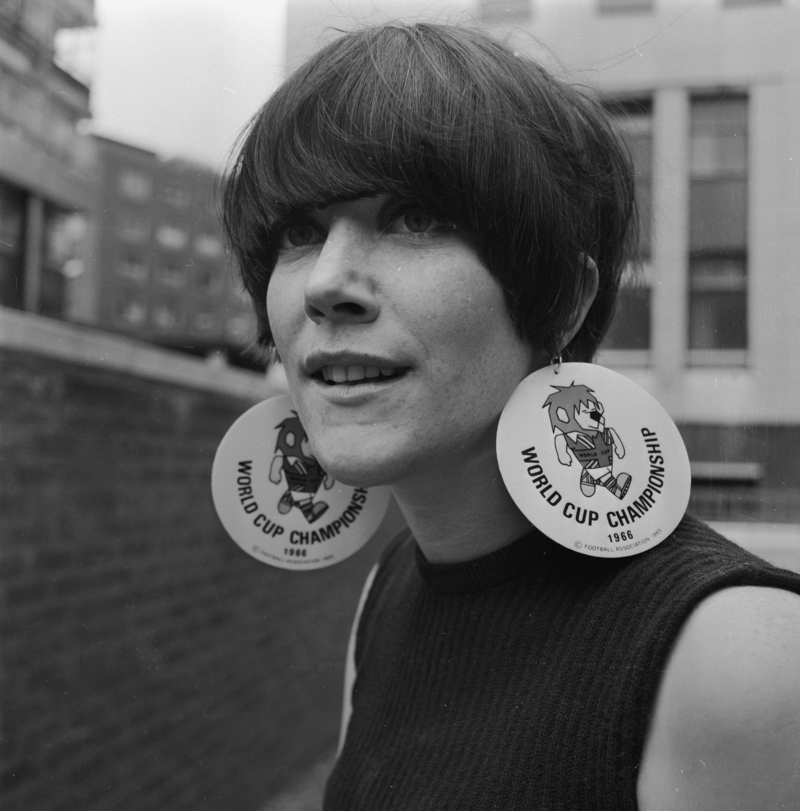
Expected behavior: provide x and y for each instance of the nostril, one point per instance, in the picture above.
(312, 311)
(337, 305)
(349, 308)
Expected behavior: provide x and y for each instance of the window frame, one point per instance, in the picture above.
(698, 287)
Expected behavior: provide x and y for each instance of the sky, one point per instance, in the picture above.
(182, 77)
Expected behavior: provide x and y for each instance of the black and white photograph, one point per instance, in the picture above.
(399, 405)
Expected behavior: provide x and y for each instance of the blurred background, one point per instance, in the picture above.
(146, 662)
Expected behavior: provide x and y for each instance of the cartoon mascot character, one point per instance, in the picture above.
(304, 474)
(576, 417)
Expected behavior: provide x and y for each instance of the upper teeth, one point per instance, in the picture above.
(342, 374)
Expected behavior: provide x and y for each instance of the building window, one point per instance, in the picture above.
(718, 225)
(240, 329)
(624, 6)
(135, 186)
(168, 236)
(130, 310)
(209, 280)
(205, 321)
(492, 11)
(62, 258)
(167, 316)
(175, 196)
(171, 272)
(208, 246)
(133, 265)
(65, 235)
(630, 329)
(634, 122)
(12, 242)
(134, 225)
(718, 298)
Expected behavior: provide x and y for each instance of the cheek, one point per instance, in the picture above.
(483, 359)
(461, 305)
(482, 330)
(282, 307)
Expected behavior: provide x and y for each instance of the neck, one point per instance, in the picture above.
(460, 512)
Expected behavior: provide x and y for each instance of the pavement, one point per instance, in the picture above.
(777, 543)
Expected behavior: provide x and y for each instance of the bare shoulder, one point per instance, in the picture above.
(725, 731)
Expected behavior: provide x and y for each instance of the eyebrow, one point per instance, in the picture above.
(392, 199)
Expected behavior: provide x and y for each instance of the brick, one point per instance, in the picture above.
(146, 661)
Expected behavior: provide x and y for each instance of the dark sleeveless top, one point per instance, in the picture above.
(523, 679)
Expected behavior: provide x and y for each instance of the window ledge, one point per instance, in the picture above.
(727, 472)
(615, 7)
(625, 357)
(717, 357)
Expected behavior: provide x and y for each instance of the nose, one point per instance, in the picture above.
(339, 287)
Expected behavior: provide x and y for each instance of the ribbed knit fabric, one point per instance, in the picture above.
(523, 679)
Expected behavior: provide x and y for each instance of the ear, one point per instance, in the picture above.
(589, 284)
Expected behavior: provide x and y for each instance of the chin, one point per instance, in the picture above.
(360, 468)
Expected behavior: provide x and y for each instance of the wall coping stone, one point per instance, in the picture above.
(81, 344)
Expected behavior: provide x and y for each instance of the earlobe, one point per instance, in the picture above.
(589, 284)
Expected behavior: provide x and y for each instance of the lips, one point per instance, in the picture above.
(345, 368)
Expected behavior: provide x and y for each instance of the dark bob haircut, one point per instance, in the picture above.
(528, 166)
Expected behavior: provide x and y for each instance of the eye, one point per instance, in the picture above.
(416, 220)
(299, 235)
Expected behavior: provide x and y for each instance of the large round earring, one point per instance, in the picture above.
(277, 502)
(593, 460)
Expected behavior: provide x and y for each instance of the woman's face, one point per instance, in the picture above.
(396, 341)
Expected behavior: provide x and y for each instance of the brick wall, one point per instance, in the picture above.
(147, 663)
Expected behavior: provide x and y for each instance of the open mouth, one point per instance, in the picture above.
(357, 375)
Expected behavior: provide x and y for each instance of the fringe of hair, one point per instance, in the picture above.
(529, 166)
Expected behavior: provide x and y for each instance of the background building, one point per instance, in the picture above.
(158, 262)
(96, 231)
(708, 95)
(46, 167)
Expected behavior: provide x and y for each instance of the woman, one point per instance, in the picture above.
(422, 219)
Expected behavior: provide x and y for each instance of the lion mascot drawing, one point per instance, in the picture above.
(304, 474)
(576, 416)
